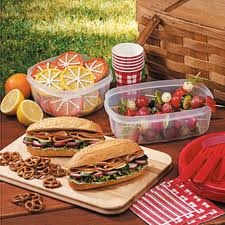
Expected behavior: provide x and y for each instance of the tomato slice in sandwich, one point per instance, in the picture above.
(43, 66)
(98, 67)
(69, 59)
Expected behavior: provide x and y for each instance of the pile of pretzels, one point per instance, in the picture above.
(32, 201)
(34, 167)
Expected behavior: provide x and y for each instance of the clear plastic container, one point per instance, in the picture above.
(69, 103)
(160, 127)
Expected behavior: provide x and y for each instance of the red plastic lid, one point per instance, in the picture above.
(211, 189)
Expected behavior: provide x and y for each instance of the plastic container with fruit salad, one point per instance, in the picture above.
(56, 95)
(144, 112)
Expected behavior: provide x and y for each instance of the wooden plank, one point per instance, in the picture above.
(107, 200)
(202, 47)
(216, 42)
(149, 28)
(160, 5)
(164, 71)
(217, 60)
(175, 57)
(178, 67)
(9, 209)
(217, 78)
(175, 5)
(180, 23)
(210, 14)
(184, 51)
(154, 49)
(196, 63)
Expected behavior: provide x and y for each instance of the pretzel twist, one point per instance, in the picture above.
(34, 205)
(16, 165)
(26, 172)
(5, 158)
(51, 182)
(59, 173)
(20, 199)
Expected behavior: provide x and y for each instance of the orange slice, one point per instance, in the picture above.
(65, 106)
(43, 66)
(75, 77)
(98, 67)
(69, 59)
(91, 101)
(50, 78)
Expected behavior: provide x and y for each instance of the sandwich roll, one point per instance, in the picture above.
(106, 163)
(61, 136)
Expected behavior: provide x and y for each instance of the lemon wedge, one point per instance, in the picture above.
(75, 77)
(29, 112)
(11, 102)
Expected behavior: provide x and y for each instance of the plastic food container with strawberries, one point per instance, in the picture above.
(67, 102)
(161, 127)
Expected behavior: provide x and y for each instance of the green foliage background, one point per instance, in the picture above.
(34, 30)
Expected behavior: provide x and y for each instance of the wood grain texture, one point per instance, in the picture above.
(11, 129)
(210, 14)
(107, 200)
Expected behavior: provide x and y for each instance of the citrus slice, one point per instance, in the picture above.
(50, 78)
(98, 67)
(11, 102)
(29, 112)
(76, 77)
(65, 106)
(69, 59)
(43, 66)
(91, 102)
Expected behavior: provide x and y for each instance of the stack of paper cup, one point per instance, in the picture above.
(128, 62)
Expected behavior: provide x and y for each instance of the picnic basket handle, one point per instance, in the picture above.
(149, 28)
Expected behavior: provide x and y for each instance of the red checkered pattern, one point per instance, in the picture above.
(173, 203)
(126, 79)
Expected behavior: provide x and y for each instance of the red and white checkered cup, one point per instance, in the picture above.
(128, 77)
(128, 62)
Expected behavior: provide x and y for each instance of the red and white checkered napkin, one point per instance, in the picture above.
(172, 202)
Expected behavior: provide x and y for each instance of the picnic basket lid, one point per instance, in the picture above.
(210, 14)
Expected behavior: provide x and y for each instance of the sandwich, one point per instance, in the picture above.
(61, 136)
(106, 163)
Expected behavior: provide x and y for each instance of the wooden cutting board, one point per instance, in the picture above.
(114, 199)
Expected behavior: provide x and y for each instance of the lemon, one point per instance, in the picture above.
(11, 102)
(49, 78)
(75, 77)
(29, 112)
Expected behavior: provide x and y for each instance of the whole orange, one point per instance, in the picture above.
(19, 81)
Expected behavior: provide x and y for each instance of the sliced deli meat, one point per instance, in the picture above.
(61, 136)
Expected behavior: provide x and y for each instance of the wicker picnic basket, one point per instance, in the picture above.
(184, 37)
